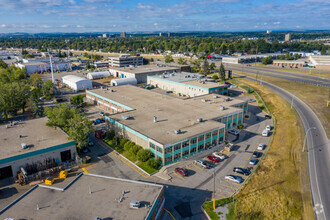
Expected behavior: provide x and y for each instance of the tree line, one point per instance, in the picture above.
(152, 44)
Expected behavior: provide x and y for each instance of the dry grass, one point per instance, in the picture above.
(311, 72)
(279, 188)
(315, 96)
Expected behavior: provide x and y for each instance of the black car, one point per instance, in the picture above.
(242, 171)
(256, 154)
(268, 117)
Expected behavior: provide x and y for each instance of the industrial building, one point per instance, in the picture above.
(249, 58)
(125, 60)
(140, 73)
(90, 196)
(124, 81)
(7, 55)
(30, 143)
(101, 64)
(171, 128)
(187, 84)
(77, 83)
(43, 65)
(98, 75)
(320, 62)
(290, 63)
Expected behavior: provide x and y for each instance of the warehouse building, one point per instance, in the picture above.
(249, 58)
(169, 127)
(30, 143)
(187, 84)
(290, 63)
(320, 62)
(98, 75)
(36, 66)
(77, 83)
(140, 73)
(124, 81)
(89, 196)
(125, 60)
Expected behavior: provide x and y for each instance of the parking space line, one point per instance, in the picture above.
(197, 166)
(179, 176)
(134, 168)
(222, 196)
(228, 186)
(222, 190)
(233, 183)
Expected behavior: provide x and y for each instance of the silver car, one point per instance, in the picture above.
(233, 178)
(202, 163)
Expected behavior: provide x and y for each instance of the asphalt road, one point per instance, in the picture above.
(317, 151)
(282, 75)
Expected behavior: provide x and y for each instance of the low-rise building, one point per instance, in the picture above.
(30, 144)
(98, 75)
(77, 83)
(320, 62)
(171, 128)
(125, 60)
(248, 58)
(140, 73)
(187, 84)
(290, 63)
(43, 65)
(90, 196)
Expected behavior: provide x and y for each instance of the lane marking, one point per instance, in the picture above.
(233, 183)
(179, 176)
(228, 186)
(222, 190)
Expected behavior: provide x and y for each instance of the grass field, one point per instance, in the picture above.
(304, 71)
(315, 96)
(279, 189)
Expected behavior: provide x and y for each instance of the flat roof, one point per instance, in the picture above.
(33, 132)
(77, 203)
(172, 113)
(145, 69)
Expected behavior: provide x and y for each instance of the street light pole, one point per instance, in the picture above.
(213, 188)
(306, 137)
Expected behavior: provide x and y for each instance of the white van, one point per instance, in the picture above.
(265, 133)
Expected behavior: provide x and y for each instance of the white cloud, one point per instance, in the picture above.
(64, 26)
(276, 22)
(3, 26)
(140, 5)
(155, 24)
(79, 26)
(45, 26)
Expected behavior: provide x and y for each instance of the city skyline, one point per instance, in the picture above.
(34, 16)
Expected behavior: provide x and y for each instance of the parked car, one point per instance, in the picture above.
(261, 147)
(90, 143)
(219, 155)
(233, 131)
(213, 158)
(181, 171)
(256, 154)
(268, 127)
(202, 163)
(98, 121)
(251, 100)
(265, 133)
(227, 83)
(268, 116)
(253, 161)
(233, 178)
(242, 171)
(101, 113)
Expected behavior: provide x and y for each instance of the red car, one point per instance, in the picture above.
(227, 83)
(181, 171)
(213, 158)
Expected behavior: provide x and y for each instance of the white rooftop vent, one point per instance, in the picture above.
(24, 145)
(177, 131)
(222, 108)
(215, 97)
(134, 204)
(155, 119)
(199, 119)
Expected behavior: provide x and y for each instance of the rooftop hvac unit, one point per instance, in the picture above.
(222, 108)
(177, 131)
(134, 204)
(199, 119)
(155, 119)
(24, 145)
(215, 97)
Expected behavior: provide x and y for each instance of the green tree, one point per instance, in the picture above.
(3, 64)
(36, 103)
(154, 163)
(144, 155)
(215, 77)
(77, 100)
(196, 68)
(267, 60)
(48, 89)
(78, 128)
(134, 149)
(168, 58)
(212, 66)
(59, 115)
(35, 80)
(222, 72)
(323, 51)
(206, 67)
(297, 56)
(128, 145)
(182, 61)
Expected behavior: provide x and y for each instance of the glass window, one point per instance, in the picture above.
(159, 149)
(192, 150)
(177, 146)
(201, 138)
(185, 144)
(220, 140)
(176, 156)
(193, 141)
(185, 153)
(200, 146)
(169, 159)
(168, 150)
(214, 133)
(208, 135)
(151, 145)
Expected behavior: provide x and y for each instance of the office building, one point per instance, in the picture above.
(125, 60)
(287, 37)
(123, 34)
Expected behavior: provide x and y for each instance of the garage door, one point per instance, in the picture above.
(6, 172)
(66, 155)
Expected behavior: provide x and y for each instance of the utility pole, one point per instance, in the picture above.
(306, 137)
(51, 65)
(213, 188)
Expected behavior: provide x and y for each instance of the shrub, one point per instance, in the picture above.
(215, 77)
(154, 163)
(134, 149)
(123, 141)
(144, 155)
(110, 135)
(112, 143)
(240, 126)
(128, 145)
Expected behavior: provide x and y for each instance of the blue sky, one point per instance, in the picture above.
(162, 15)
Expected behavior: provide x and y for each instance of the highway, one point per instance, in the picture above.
(318, 152)
(282, 75)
